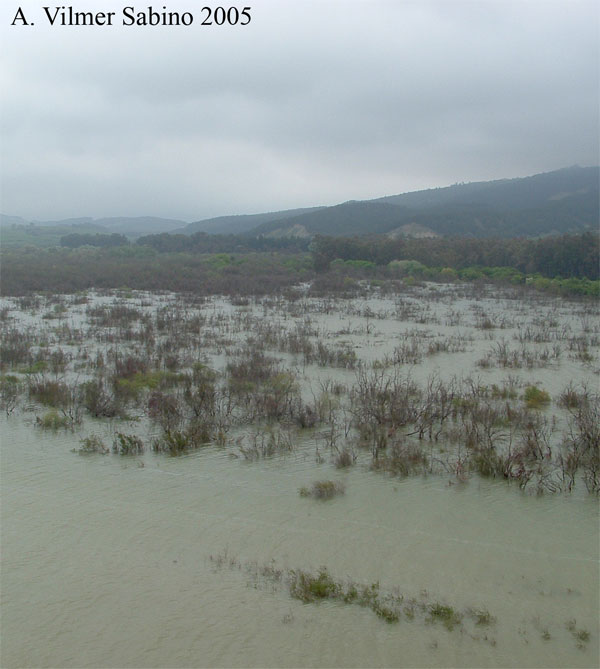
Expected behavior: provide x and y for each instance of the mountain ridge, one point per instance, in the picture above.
(563, 200)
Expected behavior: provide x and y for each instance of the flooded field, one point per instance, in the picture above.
(384, 480)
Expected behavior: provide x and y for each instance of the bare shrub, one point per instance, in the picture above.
(267, 443)
(10, 389)
(165, 410)
(581, 443)
(344, 458)
(96, 400)
(15, 347)
(402, 459)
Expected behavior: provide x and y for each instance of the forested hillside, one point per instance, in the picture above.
(503, 194)
(241, 223)
(565, 201)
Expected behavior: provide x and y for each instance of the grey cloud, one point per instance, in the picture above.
(317, 102)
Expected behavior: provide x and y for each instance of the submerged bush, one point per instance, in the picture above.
(9, 392)
(323, 489)
(177, 442)
(52, 420)
(344, 458)
(308, 588)
(444, 614)
(96, 400)
(535, 398)
(389, 605)
(127, 444)
(15, 348)
(93, 444)
(482, 617)
(265, 444)
(51, 393)
(402, 460)
(581, 636)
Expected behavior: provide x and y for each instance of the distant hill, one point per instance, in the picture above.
(128, 226)
(11, 220)
(42, 236)
(350, 218)
(556, 202)
(233, 225)
(140, 225)
(562, 201)
(506, 194)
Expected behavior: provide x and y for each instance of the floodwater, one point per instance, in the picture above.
(106, 560)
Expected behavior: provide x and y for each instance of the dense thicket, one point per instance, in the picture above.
(566, 255)
(575, 258)
(201, 242)
(25, 271)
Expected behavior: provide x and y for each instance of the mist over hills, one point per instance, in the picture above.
(557, 202)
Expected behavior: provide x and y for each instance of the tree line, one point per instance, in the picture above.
(201, 242)
(567, 264)
(565, 255)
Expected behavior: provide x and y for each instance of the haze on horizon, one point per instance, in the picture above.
(315, 102)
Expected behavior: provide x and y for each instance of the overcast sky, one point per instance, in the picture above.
(311, 103)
